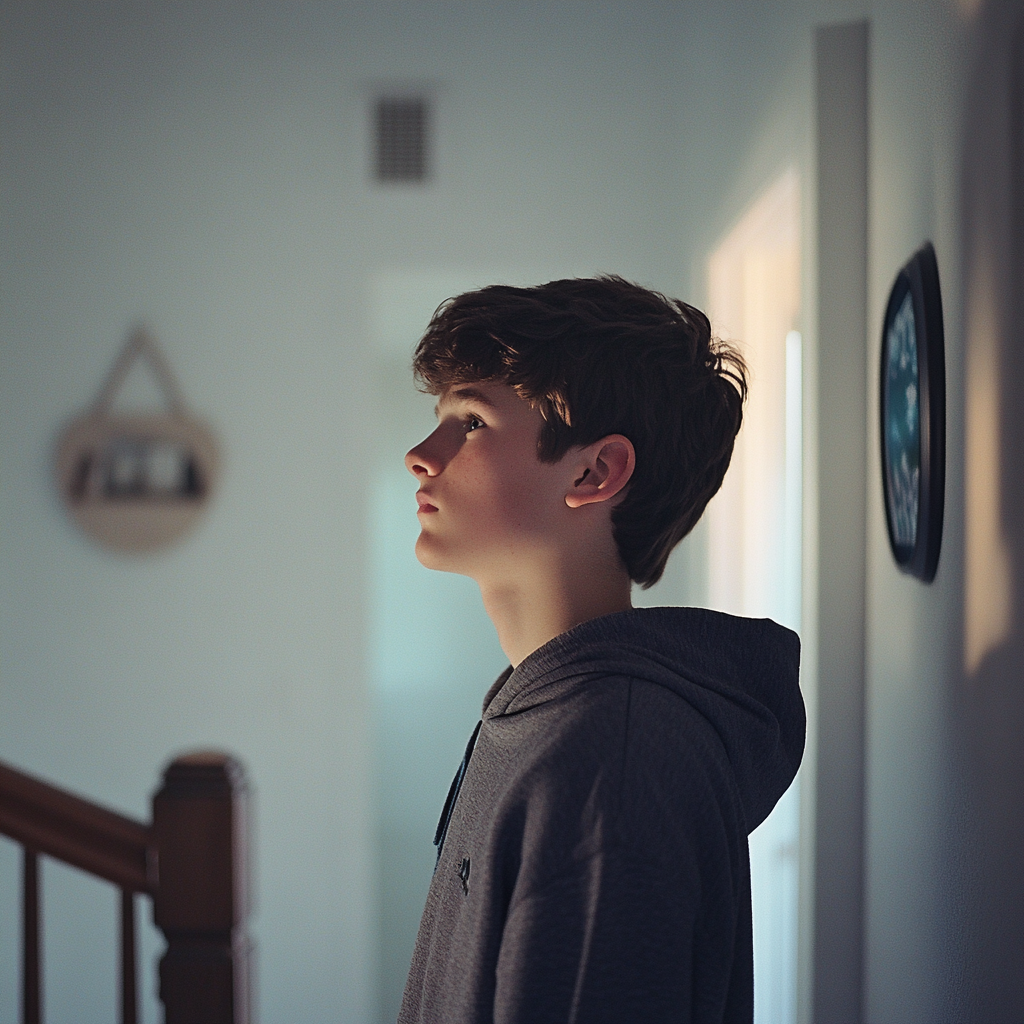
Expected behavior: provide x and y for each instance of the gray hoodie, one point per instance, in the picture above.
(594, 867)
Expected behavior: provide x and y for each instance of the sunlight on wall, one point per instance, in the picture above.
(755, 524)
(968, 9)
(754, 300)
(987, 597)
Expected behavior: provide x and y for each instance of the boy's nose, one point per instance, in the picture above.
(419, 463)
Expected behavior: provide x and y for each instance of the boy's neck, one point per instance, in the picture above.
(537, 606)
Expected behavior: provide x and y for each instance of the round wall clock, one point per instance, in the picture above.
(912, 403)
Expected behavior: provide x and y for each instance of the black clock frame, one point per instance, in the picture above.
(920, 277)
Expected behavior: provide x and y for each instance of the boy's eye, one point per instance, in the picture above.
(472, 423)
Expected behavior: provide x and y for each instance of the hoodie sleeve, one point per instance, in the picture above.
(611, 940)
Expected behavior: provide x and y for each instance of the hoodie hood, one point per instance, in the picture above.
(741, 674)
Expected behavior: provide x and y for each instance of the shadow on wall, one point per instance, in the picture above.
(990, 715)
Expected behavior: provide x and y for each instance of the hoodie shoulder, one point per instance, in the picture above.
(740, 674)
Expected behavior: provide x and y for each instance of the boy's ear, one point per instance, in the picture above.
(601, 470)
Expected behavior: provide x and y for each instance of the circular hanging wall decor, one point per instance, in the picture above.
(137, 482)
(912, 404)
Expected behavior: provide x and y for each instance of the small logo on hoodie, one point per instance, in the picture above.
(464, 875)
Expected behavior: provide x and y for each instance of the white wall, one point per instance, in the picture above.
(945, 929)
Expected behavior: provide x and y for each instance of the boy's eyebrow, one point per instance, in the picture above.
(467, 394)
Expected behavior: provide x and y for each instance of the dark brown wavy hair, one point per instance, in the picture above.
(601, 356)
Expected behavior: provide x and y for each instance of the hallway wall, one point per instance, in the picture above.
(988, 706)
(944, 903)
(912, 644)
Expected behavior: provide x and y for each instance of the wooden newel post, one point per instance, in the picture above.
(201, 902)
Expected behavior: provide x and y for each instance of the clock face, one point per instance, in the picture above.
(912, 408)
(901, 420)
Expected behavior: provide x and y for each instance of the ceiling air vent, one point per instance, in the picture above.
(401, 135)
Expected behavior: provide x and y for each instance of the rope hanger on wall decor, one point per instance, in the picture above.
(137, 481)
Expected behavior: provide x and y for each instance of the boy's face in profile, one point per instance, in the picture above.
(486, 501)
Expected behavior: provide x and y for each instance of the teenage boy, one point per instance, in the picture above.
(592, 854)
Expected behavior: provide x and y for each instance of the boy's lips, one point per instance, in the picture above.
(424, 503)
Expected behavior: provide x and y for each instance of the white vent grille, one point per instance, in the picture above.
(402, 145)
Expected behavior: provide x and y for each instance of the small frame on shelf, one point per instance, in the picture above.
(912, 406)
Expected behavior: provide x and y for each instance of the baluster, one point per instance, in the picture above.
(31, 994)
(129, 996)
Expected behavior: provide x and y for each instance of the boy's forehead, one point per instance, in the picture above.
(492, 394)
(469, 393)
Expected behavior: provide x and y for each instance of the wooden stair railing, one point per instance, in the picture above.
(191, 860)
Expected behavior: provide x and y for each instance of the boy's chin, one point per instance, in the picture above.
(430, 554)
